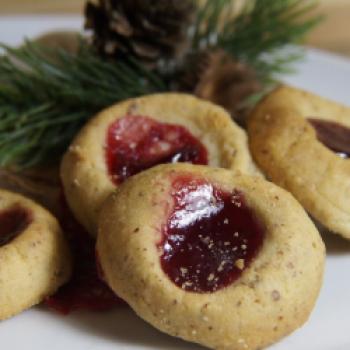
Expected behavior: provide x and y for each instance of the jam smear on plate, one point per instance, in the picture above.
(210, 236)
(136, 143)
(333, 135)
(85, 290)
(13, 221)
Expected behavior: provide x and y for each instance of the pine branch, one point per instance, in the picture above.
(43, 103)
(258, 33)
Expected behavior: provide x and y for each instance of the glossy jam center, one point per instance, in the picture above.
(333, 135)
(210, 237)
(136, 143)
(13, 221)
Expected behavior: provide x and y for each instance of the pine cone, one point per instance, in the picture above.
(148, 29)
(216, 77)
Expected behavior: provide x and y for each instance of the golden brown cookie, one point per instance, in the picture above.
(226, 261)
(139, 133)
(34, 256)
(300, 140)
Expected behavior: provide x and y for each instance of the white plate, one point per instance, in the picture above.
(329, 325)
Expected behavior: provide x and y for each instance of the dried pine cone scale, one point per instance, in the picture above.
(148, 29)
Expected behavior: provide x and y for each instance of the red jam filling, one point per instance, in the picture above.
(13, 221)
(85, 290)
(210, 237)
(136, 143)
(333, 135)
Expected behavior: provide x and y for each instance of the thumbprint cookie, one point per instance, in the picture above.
(34, 256)
(302, 142)
(227, 261)
(140, 133)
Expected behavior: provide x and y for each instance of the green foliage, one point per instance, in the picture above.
(258, 33)
(44, 102)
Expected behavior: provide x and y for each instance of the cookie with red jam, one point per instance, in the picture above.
(34, 256)
(140, 133)
(302, 142)
(226, 261)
